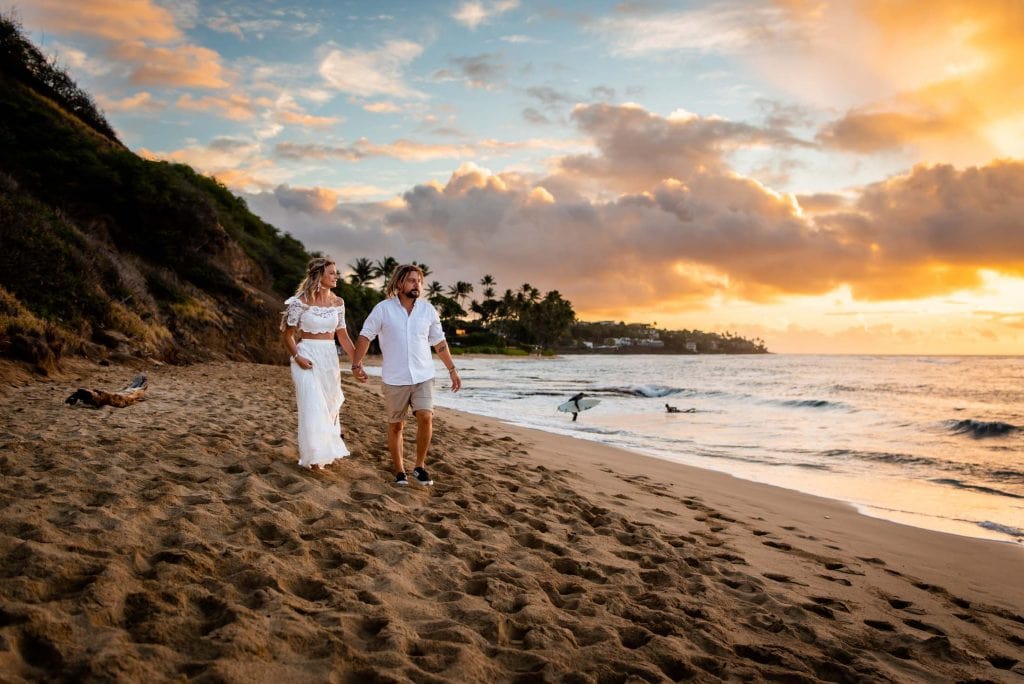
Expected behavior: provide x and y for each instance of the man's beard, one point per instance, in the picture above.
(413, 294)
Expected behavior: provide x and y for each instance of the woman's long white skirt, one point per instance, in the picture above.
(318, 394)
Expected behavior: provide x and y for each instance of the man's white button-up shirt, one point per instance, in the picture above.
(405, 339)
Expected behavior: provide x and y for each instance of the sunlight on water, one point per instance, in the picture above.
(934, 442)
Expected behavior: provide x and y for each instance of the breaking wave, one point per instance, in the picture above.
(980, 428)
(959, 484)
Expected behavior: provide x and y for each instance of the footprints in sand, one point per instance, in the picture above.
(213, 550)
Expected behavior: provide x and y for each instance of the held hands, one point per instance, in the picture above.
(359, 373)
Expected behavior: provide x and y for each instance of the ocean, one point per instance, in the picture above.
(934, 442)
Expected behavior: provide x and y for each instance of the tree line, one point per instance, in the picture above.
(521, 319)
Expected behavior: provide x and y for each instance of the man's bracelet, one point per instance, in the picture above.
(452, 369)
(356, 365)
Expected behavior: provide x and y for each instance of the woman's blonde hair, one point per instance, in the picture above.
(310, 286)
(400, 274)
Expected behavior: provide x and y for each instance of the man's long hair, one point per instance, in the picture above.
(396, 279)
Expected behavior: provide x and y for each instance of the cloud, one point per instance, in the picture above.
(235, 106)
(259, 28)
(725, 27)
(550, 97)
(308, 120)
(638, 149)
(936, 80)
(372, 72)
(933, 230)
(236, 162)
(531, 115)
(518, 39)
(384, 107)
(308, 200)
(140, 102)
(473, 13)
(175, 67)
(141, 20)
(480, 71)
(683, 227)
(868, 132)
(406, 150)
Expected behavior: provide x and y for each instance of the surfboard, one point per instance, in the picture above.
(584, 404)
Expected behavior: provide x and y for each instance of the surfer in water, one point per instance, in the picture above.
(576, 400)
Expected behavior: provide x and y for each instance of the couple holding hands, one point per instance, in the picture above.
(406, 327)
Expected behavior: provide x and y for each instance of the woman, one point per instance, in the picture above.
(319, 317)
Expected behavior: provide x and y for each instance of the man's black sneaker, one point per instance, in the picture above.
(401, 480)
(421, 476)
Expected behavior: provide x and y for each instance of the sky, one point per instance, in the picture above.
(830, 177)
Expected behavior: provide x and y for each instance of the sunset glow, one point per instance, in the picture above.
(841, 177)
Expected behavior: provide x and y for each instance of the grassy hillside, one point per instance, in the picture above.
(103, 252)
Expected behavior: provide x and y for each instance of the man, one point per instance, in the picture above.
(407, 328)
(576, 400)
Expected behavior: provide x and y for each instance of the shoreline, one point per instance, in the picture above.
(827, 516)
(936, 491)
(177, 537)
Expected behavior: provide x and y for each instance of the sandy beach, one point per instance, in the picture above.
(177, 539)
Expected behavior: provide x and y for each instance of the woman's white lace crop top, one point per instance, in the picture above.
(314, 319)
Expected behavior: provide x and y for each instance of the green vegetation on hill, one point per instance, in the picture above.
(22, 61)
(103, 251)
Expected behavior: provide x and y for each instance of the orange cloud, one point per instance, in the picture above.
(181, 66)
(109, 19)
(307, 120)
(142, 101)
(406, 150)
(955, 68)
(308, 200)
(682, 227)
(235, 107)
(382, 108)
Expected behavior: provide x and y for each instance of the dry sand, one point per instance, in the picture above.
(176, 539)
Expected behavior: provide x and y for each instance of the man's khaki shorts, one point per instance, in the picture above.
(397, 399)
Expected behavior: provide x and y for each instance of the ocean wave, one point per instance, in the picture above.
(1004, 529)
(885, 457)
(972, 470)
(980, 428)
(601, 431)
(649, 391)
(1014, 476)
(959, 484)
(810, 403)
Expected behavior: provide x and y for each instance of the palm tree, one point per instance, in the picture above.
(460, 290)
(530, 293)
(423, 267)
(384, 268)
(488, 281)
(435, 288)
(508, 304)
(488, 293)
(362, 272)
